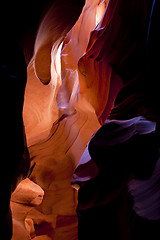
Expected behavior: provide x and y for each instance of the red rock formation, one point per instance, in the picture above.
(58, 127)
(82, 60)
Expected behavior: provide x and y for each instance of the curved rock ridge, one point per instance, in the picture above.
(91, 118)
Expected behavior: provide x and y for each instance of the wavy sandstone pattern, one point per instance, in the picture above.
(88, 66)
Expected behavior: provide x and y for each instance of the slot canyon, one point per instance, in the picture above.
(81, 120)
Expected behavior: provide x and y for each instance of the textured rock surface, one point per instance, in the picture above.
(85, 65)
(26, 196)
(58, 129)
(55, 158)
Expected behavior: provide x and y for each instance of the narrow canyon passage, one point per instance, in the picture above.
(91, 115)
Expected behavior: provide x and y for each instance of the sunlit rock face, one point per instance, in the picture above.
(59, 122)
(85, 54)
